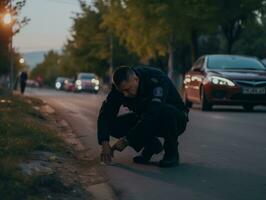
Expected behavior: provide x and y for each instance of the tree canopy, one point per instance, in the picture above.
(9, 30)
(169, 34)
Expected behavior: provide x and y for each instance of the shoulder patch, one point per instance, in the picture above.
(158, 92)
(154, 80)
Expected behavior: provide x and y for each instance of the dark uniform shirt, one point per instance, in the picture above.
(23, 76)
(155, 89)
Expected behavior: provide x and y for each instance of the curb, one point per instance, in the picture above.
(101, 191)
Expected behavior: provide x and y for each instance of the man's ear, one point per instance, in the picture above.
(136, 78)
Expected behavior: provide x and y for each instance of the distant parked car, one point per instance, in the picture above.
(69, 85)
(87, 82)
(59, 83)
(226, 79)
(32, 83)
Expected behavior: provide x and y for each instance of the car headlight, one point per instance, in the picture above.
(95, 81)
(58, 85)
(220, 81)
(78, 82)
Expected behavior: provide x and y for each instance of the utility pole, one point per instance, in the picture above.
(111, 68)
(8, 21)
(11, 63)
(11, 51)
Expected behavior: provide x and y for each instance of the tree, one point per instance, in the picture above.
(8, 31)
(92, 47)
(235, 15)
(252, 41)
(49, 69)
(153, 28)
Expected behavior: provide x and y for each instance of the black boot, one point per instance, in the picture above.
(169, 161)
(171, 156)
(153, 148)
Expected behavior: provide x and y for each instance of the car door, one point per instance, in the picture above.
(197, 76)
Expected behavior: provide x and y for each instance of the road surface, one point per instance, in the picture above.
(223, 153)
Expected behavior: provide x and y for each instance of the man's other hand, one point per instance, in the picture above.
(120, 145)
(107, 153)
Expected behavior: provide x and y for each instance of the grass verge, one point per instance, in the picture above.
(23, 130)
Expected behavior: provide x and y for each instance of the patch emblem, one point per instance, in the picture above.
(154, 80)
(158, 92)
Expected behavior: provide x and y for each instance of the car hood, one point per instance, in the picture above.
(86, 81)
(240, 74)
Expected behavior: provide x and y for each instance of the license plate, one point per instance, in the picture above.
(254, 90)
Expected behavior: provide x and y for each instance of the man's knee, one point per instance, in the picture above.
(173, 119)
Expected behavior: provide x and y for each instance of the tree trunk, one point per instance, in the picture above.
(232, 31)
(230, 43)
(194, 45)
(171, 62)
(175, 77)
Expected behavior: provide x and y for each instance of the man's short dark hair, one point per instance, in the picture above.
(121, 74)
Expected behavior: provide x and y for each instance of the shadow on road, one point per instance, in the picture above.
(217, 182)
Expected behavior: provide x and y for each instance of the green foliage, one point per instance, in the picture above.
(153, 28)
(49, 69)
(90, 47)
(6, 31)
(253, 40)
(170, 34)
(233, 16)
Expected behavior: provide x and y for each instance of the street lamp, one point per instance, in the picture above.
(7, 19)
(21, 61)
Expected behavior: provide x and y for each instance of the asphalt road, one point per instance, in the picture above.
(223, 153)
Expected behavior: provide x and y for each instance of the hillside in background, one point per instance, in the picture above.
(34, 58)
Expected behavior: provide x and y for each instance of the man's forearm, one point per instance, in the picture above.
(105, 143)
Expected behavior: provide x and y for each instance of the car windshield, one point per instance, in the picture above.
(86, 76)
(60, 79)
(234, 62)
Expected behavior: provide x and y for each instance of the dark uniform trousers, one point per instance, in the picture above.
(169, 124)
(22, 86)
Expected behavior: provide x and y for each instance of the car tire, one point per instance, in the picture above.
(248, 107)
(205, 105)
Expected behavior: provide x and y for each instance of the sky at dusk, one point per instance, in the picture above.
(49, 26)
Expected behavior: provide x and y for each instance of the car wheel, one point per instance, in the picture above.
(248, 107)
(205, 105)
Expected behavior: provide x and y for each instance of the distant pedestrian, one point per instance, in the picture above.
(23, 79)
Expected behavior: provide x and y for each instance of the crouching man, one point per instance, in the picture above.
(157, 111)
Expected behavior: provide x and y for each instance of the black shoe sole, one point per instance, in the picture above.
(169, 164)
(140, 161)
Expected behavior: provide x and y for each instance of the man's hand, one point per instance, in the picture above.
(120, 145)
(107, 153)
